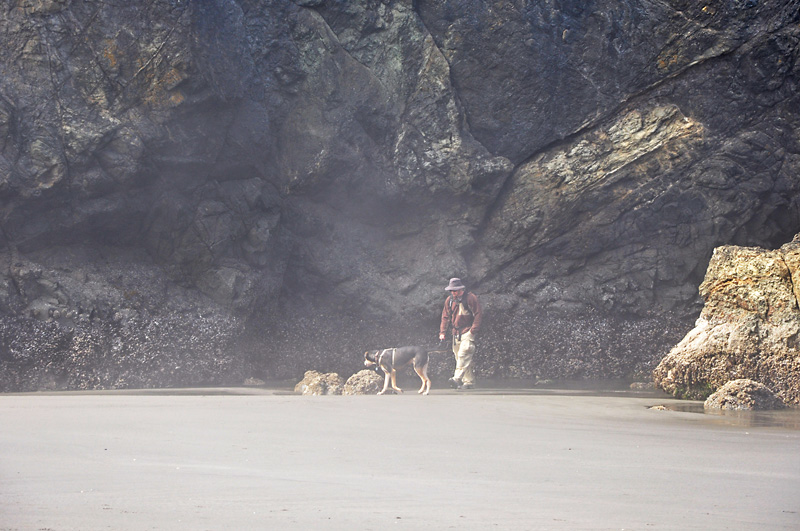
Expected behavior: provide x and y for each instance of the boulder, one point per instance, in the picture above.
(364, 382)
(317, 383)
(743, 394)
(749, 326)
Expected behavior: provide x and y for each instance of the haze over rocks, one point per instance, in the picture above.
(201, 192)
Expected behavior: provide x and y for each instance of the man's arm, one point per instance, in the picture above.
(477, 315)
(445, 324)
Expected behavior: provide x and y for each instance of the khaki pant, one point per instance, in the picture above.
(463, 351)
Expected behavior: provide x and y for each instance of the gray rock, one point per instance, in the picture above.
(743, 394)
(104, 318)
(251, 381)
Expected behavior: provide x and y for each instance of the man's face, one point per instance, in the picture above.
(457, 293)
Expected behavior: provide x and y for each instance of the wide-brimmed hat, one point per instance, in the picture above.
(455, 285)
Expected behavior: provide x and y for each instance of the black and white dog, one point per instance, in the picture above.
(391, 359)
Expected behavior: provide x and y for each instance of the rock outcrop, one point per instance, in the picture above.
(299, 179)
(749, 326)
(743, 394)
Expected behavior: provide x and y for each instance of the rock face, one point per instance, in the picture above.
(749, 326)
(89, 320)
(292, 182)
(743, 394)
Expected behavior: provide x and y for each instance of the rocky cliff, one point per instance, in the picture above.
(199, 191)
(749, 327)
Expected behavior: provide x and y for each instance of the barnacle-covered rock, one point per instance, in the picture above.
(364, 382)
(743, 394)
(317, 383)
(749, 327)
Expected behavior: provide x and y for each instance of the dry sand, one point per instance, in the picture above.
(256, 459)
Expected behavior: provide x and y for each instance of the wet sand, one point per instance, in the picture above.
(491, 459)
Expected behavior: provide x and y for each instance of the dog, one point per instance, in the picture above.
(391, 359)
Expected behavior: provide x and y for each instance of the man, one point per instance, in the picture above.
(461, 316)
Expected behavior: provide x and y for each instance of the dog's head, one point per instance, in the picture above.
(371, 358)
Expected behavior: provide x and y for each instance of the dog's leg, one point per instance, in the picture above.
(422, 376)
(385, 383)
(394, 382)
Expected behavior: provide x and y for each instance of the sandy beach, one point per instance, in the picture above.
(243, 459)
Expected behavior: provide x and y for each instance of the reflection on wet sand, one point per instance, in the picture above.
(787, 418)
(784, 418)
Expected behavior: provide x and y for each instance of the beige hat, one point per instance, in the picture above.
(455, 285)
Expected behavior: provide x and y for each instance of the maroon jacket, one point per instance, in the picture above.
(453, 318)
